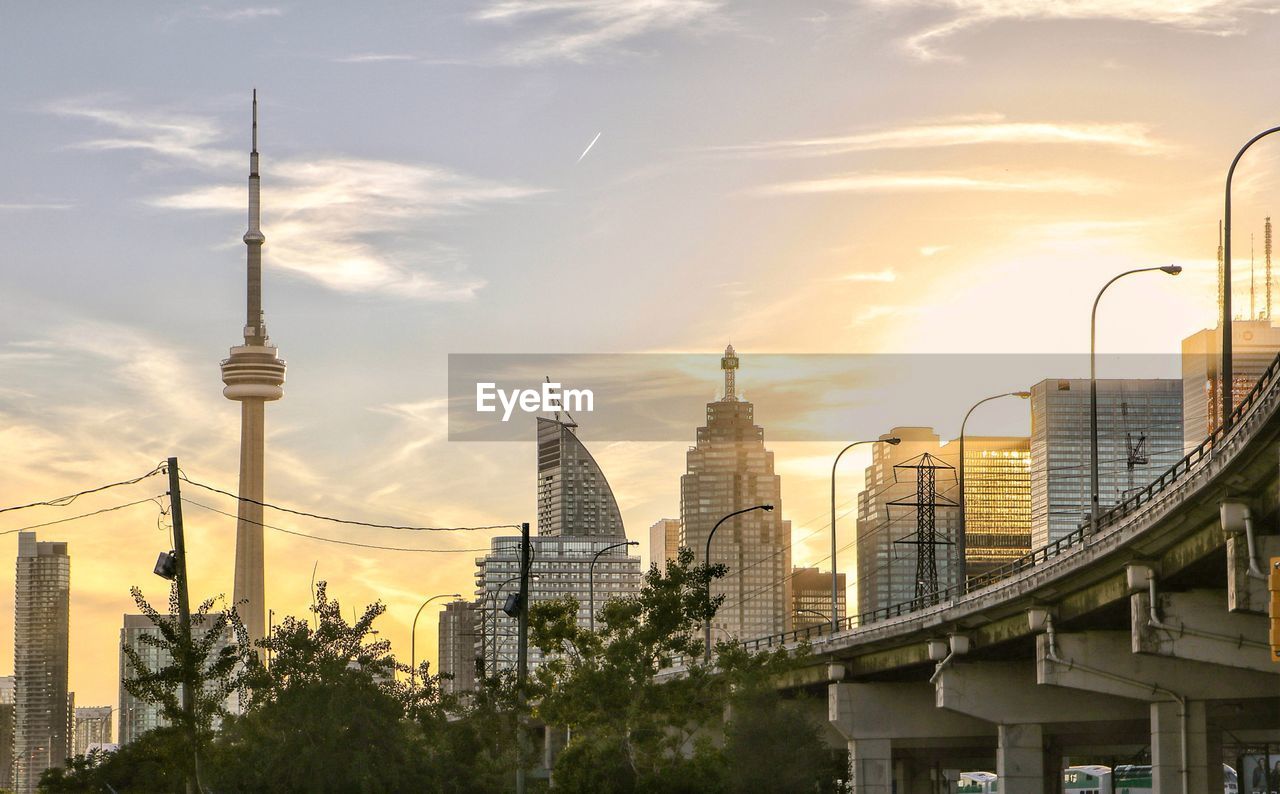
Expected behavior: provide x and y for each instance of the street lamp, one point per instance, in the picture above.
(821, 616)
(835, 586)
(706, 564)
(591, 576)
(961, 546)
(1172, 270)
(413, 635)
(1226, 285)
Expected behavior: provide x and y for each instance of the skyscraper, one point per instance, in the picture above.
(135, 716)
(92, 728)
(1140, 435)
(42, 613)
(886, 553)
(811, 597)
(574, 497)
(664, 542)
(729, 469)
(6, 731)
(253, 374)
(578, 518)
(1254, 345)
(997, 501)
(458, 646)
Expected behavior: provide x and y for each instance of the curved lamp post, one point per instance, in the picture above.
(962, 567)
(835, 586)
(1226, 285)
(1172, 270)
(706, 564)
(591, 576)
(413, 635)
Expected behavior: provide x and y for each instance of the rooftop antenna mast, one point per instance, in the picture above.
(1222, 318)
(571, 422)
(926, 538)
(1266, 247)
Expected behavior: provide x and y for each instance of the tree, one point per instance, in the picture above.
(326, 716)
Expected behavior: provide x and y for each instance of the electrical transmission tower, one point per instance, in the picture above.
(925, 538)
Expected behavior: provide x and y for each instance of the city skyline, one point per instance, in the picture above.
(111, 345)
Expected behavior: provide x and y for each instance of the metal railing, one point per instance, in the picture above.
(1175, 474)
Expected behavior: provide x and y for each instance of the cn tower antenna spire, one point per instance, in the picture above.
(730, 366)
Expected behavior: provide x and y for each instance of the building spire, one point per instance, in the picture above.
(255, 329)
(730, 365)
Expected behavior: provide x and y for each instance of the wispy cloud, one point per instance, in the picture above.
(174, 136)
(244, 14)
(24, 207)
(352, 224)
(993, 130)
(880, 276)
(375, 57)
(575, 30)
(1220, 17)
(930, 250)
(936, 182)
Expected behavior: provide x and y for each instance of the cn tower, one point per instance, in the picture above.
(253, 374)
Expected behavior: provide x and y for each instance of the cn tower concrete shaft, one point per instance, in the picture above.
(252, 375)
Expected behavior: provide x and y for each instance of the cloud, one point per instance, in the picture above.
(375, 57)
(353, 224)
(174, 136)
(1219, 17)
(930, 250)
(575, 30)
(880, 276)
(936, 182)
(245, 14)
(1132, 137)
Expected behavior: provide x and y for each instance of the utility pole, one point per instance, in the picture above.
(184, 624)
(522, 655)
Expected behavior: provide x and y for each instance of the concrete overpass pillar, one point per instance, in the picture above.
(1166, 747)
(1020, 759)
(871, 766)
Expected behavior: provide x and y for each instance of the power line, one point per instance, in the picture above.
(63, 501)
(154, 500)
(331, 540)
(351, 522)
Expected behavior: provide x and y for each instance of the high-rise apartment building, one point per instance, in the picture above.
(135, 716)
(1140, 435)
(42, 612)
(92, 728)
(458, 646)
(664, 542)
(1254, 345)
(811, 597)
(578, 522)
(6, 731)
(728, 470)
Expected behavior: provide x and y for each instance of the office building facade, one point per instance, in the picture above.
(811, 597)
(997, 501)
(1254, 345)
(727, 470)
(664, 542)
(42, 612)
(1140, 435)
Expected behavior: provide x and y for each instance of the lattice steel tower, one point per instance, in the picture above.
(925, 538)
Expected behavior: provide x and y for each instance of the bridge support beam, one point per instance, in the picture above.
(873, 717)
(1247, 593)
(1167, 759)
(1020, 759)
(1196, 625)
(1007, 693)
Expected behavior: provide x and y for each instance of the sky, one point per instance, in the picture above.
(563, 176)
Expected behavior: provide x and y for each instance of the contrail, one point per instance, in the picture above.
(589, 145)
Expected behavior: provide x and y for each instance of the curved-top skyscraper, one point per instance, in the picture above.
(253, 374)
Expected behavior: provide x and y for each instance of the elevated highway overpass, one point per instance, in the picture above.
(1148, 634)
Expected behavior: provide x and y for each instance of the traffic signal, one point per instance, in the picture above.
(1273, 585)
